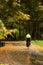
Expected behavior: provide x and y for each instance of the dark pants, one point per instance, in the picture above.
(28, 42)
(2, 43)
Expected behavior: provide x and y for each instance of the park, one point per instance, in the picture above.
(21, 32)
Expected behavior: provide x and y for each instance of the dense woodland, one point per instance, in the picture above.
(24, 15)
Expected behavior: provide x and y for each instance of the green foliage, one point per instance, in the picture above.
(23, 15)
(16, 33)
(1, 24)
(2, 32)
(2, 35)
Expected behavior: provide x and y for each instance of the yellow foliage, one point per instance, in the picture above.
(11, 30)
(24, 16)
(19, 1)
(15, 4)
(40, 7)
(10, 19)
(1, 6)
(8, 32)
(4, 29)
(2, 37)
(6, 0)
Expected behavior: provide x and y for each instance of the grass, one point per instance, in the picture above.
(37, 42)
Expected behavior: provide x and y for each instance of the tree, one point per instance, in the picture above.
(12, 14)
(25, 15)
(35, 9)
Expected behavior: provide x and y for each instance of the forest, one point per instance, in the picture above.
(24, 15)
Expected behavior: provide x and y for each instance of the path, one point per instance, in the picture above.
(7, 59)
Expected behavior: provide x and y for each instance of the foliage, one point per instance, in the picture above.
(24, 15)
(11, 12)
(4, 32)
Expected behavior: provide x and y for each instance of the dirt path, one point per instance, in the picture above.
(7, 59)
